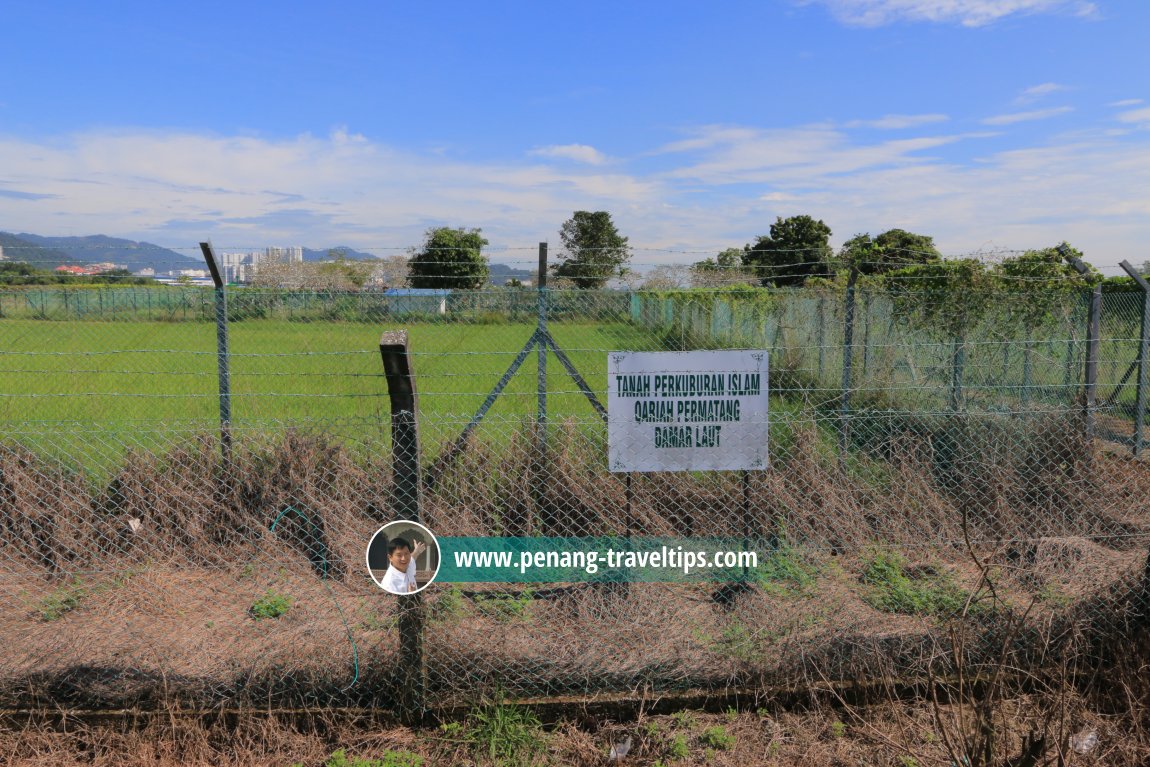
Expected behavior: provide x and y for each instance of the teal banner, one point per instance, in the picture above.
(602, 559)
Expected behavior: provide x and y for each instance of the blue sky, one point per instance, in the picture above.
(989, 124)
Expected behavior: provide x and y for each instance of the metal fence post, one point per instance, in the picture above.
(957, 372)
(1143, 356)
(822, 333)
(542, 328)
(407, 492)
(1093, 330)
(848, 349)
(222, 353)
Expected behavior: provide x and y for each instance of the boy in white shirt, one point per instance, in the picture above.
(400, 575)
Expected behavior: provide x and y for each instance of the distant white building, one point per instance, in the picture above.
(292, 255)
(238, 266)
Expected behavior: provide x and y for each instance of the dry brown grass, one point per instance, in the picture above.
(162, 614)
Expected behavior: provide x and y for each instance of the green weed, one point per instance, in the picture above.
(505, 607)
(270, 605)
(1052, 594)
(718, 737)
(61, 601)
(893, 589)
(786, 571)
(70, 596)
(449, 605)
(389, 759)
(377, 623)
(505, 734)
(677, 749)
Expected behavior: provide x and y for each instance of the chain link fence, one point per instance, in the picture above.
(929, 473)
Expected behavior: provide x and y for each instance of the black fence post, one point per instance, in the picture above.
(222, 353)
(1143, 356)
(407, 493)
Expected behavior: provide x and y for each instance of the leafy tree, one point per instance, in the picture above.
(342, 272)
(729, 259)
(724, 269)
(893, 249)
(595, 251)
(450, 259)
(944, 298)
(797, 248)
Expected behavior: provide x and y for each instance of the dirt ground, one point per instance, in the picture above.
(1058, 730)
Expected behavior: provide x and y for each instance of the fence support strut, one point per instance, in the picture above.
(222, 353)
(407, 491)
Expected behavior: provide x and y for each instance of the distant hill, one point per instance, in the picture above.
(325, 254)
(502, 273)
(18, 248)
(95, 249)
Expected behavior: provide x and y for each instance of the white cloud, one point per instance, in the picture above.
(898, 122)
(1037, 92)
(182, 187)
(576, 152)
(1125, 103)
(1018, 117)
(732, 156)
(1136, 116)
(969, 13)
(720, 186)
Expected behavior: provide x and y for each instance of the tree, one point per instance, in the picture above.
(450, 259)
(724, 269)
(341, 272)
(891, 250)
(595, 251)
(944, 298)
(797, 248)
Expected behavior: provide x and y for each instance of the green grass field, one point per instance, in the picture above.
(86, 391)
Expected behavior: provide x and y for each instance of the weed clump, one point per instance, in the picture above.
(270, 605)
(896, 588)
(504, 733)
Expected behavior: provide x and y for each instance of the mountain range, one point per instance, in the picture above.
(50, 252)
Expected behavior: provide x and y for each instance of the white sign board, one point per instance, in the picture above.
(687, 411)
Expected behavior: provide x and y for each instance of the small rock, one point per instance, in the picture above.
(620, 749)
(1084, 742)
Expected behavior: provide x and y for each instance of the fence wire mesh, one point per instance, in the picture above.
(141, 562)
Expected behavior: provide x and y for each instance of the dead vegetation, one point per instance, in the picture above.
(140, 591)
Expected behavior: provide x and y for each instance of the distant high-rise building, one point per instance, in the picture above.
(236, 266)
(290, 255)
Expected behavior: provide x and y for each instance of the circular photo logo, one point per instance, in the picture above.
(403, 557)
